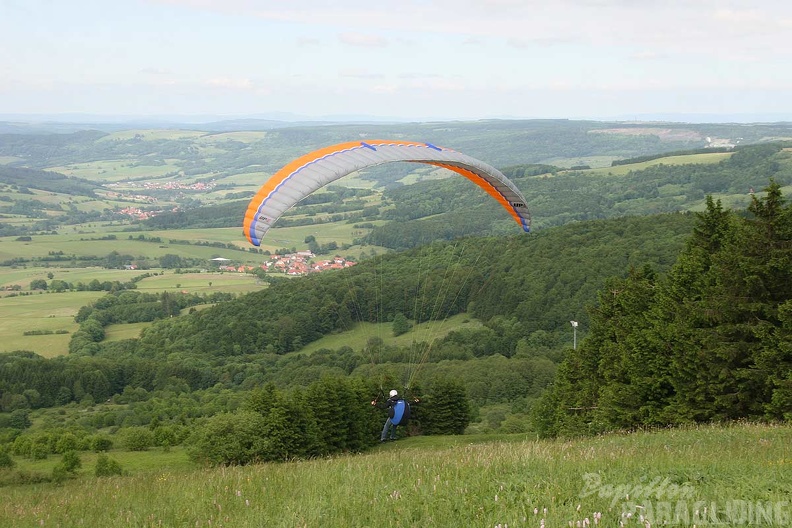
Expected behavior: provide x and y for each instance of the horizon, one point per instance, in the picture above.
(287, 119)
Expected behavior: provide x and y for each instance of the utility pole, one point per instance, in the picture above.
(574, 334)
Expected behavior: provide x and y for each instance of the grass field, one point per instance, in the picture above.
(55, 311)
(359, 336)
(41, 311)
(91, 244)
(697, 476)
(621, 170)
(105, 171)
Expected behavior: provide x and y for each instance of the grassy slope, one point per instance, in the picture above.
(359, 336)
(620, 170)
(443, 481)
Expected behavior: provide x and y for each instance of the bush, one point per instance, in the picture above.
(101, 443)
(230, 438)
(107, 467)
(67, 442)
(401, 325)
(67, 467)
(6, 462)
(138, 438)
(71, 461)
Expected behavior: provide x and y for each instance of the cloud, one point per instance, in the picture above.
(647, 56)
(362, 40)
(545, 42)
(240, 83)
(154, 71)
(414, 75)
(360, 74)
(676, 24)
(307, 42)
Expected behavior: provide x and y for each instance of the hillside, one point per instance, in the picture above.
(696, 476)
(524, 288)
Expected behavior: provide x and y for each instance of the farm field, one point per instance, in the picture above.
(694, 476)
(99, 243)
(107, 171)
(621, 170)
(40, 311)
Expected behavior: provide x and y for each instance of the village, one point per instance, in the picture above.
(299, 263)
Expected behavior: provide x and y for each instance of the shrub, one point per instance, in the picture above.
(67, 467)
(107, 467)
(230, 438)
(71, 461)
(6, 462)
(101, 443)
(138, 438)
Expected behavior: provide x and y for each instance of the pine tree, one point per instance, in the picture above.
(682, 326)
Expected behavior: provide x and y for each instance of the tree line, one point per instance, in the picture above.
(709, 341)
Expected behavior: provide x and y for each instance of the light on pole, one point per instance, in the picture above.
(574, 334)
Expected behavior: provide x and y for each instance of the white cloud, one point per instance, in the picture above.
(360, 74)
(154, 71)
(362, 40)
(308, 42)
(230, 82)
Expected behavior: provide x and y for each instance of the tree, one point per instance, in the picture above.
(20, 419)
(38, 284)
(170, 260)
(401, 325)
(58, 285)
(445, 410)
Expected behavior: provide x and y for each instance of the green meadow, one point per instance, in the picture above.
(731, 475)
(114, 170)
(359, 336)
(41, 311)
(621, 170)
(96, 241)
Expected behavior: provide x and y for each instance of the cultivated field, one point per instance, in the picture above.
(42, 311)
(621, 170)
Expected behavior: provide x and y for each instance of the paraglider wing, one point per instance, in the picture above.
(308, 173)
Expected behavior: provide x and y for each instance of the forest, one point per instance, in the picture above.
(709, 341)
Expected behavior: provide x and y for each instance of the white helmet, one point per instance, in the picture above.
(393, 393)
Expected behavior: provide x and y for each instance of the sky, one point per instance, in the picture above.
(411, 60)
